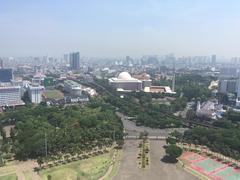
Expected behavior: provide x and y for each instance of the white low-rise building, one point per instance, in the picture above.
(72, 88)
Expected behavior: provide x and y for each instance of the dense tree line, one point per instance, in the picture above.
(233, 116)
(158, 117)
(179, 104)
(224, 140)
(140, 106)
(67, 130)
(146, 113)
(193, 86)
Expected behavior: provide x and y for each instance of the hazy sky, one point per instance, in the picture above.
(119, 27)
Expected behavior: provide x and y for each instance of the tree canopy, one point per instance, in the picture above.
(67, 130)
(173, 151)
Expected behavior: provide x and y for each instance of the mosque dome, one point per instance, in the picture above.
(124, 76)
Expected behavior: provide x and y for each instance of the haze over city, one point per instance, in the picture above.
(120, 28)
(119, 90)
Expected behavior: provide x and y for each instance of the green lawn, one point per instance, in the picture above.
(9, 177)
(7, 170)
(54, 94)
(91, 168)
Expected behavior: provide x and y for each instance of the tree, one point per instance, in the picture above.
(3, 134)
(173, 151)
(177, 135)
(49, 177)
(171, 140)
(190, 115)
(12, 134)
(40, 161)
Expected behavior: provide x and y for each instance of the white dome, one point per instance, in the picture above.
(124, 76)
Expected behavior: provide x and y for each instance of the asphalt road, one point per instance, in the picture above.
(157, 169)
(133, 130)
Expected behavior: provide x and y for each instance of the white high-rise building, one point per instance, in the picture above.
(10, 96)
(35, 94)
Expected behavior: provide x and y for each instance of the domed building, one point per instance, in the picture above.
(125, 82)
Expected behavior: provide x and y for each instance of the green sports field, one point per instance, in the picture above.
(54, 94)
(211, 167)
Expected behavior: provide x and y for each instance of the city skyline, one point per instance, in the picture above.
(111, 28)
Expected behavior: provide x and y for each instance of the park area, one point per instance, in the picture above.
(90, 168)
(209, 167)
(9, 177)
(53, 94)
(7, 173)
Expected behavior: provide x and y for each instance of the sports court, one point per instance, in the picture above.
(209, 167)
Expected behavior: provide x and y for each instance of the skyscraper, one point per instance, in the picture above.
(1, 63)
(6, 75)
(35, 93)
(213, 59)
(74, 61)
(10, 96)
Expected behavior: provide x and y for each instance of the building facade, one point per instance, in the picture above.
(35, 94)
(6, 75)
(125, 82)
(73, 88)
(1, 63)
(10, 96)
(74, 59)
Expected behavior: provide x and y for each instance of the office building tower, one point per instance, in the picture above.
(6, 75)
(66, 58)
(35, 93)
(1, 63)
(213, 59)
(228, 86)
(232, 86)
(10, 96)
(229, 72)
(74, 61)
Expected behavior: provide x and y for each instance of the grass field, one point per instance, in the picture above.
(7, 170)
(54, 94)
(9, 177)
(91, 168)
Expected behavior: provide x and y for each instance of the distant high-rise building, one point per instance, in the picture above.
(66, 58)
(1, 63)
(6, 75)
(214, 59)
(228, 85)
(35, 93)
(229, 72)
(10, 96)
(223, 86)
(74, 61)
